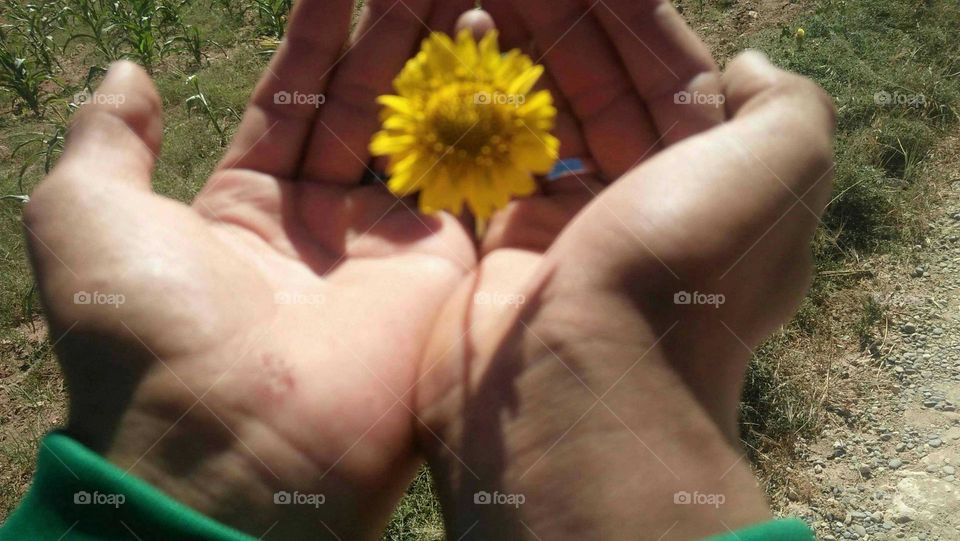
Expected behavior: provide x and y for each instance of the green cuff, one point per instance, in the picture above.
(789, 529)
(78, 495)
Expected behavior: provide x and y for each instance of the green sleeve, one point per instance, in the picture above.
(79, 495)
(776, 530)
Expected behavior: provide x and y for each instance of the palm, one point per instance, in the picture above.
(279, 307)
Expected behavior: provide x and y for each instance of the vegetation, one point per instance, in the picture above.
(891, 65)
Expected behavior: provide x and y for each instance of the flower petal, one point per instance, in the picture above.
(385, 143)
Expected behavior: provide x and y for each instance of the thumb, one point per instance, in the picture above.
(115, 135)
(82, 212)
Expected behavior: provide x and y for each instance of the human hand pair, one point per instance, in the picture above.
(294, 330)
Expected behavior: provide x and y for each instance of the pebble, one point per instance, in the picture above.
(922, 362)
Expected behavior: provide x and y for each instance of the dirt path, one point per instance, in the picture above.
(886, 468)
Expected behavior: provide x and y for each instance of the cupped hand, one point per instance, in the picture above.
(593, 362)
(254, 354)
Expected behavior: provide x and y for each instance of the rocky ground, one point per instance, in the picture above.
(887, 469)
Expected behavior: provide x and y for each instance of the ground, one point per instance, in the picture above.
(885, 466)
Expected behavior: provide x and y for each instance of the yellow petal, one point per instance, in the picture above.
(489, 51)
(407, 175)
(385, 143)
(467, 50)
(524, 83)
(539, 104)
(397, 103)
(537, 154)
(439, 193)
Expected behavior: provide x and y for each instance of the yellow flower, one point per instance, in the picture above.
(466, 126)
(800, 33)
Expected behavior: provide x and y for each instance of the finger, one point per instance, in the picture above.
(115, 136)
(279, 116)
(454, 16)
(587, 70)
(386, 36)
(477, 20)
(670, 67)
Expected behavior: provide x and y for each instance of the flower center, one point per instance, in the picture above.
(468, 122)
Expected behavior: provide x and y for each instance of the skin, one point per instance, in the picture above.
(294, 330)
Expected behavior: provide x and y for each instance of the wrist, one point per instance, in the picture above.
(205, 455)
(577, 432)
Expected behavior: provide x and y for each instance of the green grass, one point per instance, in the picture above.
(853, 48)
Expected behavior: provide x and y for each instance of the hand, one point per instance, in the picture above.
(266, 338)
(564, 369)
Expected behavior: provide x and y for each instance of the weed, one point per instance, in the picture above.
(214, 115)
(866, 326)
(273, 16)
(95, 19)
(22, 78)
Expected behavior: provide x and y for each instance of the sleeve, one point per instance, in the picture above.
(77, 495)
(776, 530)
